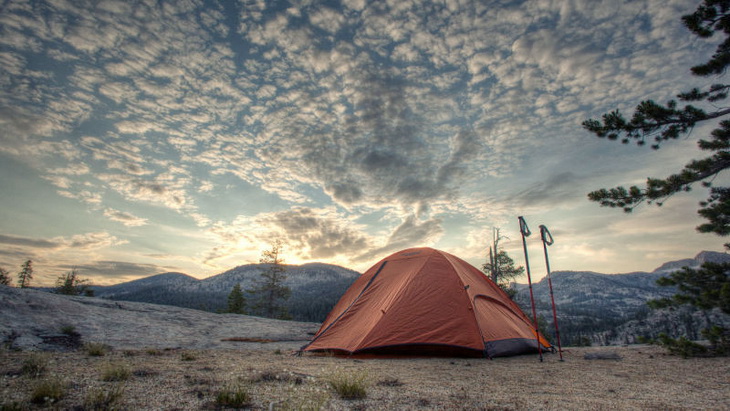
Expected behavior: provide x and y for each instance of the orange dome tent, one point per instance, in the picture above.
(426, 301)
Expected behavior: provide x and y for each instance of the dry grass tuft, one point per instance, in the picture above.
(104, 399)
(48, 391)
(349, 385)
(95, 349)
(234, 395)
(115, 372)
(35, 365)
(188, 356)
(390, 382)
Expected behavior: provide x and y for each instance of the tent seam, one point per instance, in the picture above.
(348, 307)
(399, 294)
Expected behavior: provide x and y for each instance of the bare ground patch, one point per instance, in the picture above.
(642, 378)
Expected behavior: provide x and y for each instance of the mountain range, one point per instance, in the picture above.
(592, 307)
(316, 287)
(611, 308)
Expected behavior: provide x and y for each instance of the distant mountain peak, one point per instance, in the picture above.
(315, 287)
(701, 258)
(712, 257)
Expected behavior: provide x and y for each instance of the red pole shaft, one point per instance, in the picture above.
(525, 231)
(552, 300)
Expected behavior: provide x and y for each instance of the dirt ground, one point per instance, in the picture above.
(644, 378)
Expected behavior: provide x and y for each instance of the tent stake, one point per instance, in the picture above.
(525, 231)
(547, 239)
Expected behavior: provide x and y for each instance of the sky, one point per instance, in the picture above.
(141, 137)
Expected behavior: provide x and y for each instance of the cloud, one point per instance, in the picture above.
(90, 241)
(164, 189)
(127, 219)
(28, 242)
(87, 241)
(321, 234)
(410, 233)
(118, 269)
(419, 107)
(555, 190)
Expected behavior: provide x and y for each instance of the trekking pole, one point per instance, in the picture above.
(525, 231)
(547, 239)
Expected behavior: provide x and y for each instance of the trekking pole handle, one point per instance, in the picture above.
(547, 238)
(523, 227)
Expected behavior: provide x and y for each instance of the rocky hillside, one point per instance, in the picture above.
(315, 288)
(32, 319)
(592, 307)
(611, 308)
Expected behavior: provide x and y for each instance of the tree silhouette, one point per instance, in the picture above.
(500, 267)
(25, 274)
(269, 291)
(4, 277)
(236, 301)
(71, 284)
(708, 286)
(660, 123)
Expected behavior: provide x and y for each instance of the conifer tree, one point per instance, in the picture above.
(25, 274)
(269, 291)
(71, 284)
(236, 301)
(4, 277)
(659, 123)
(500, 267)
(708, 286)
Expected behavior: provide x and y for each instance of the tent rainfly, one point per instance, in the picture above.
(424, 301)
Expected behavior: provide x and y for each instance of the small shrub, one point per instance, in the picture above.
(35, 365)
(234, 395)
(69, 330)
(719, 339)
(349, 385)
(95, 349)
(13, 406)
(682, 346)
(188, 356)
(102, 399)
(277, 351)
(115, 372)
(275, 376)
(306, 398)
(153, 351)
(48, 391)
(144, 372)
(390, 382)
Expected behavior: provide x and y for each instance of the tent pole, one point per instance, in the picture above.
(525, 231)
(547, 239)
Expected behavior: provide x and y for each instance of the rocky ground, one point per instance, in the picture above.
(143, 357)
(34, 320)
(147, 379)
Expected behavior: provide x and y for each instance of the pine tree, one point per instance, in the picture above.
(705, 288)
(269, 291)
(236, 301)
(4, 277)
(500, 267)
(25, 274)
(71, 284)
(710, 285)
(662, 123)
